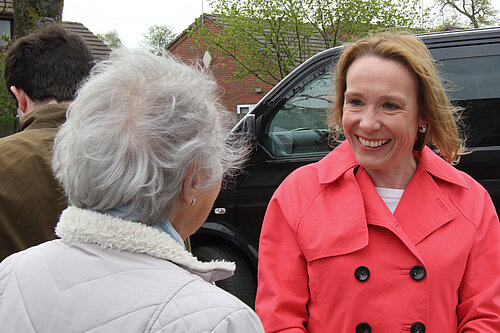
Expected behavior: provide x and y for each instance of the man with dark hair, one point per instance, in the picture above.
(42, 72)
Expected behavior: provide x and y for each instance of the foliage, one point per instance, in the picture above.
(476, 13)
(29, 14)
(269, 38)
(111, 39)
(157, 37)
(8, 109)
(3, 6)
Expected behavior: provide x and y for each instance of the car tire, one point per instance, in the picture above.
(243, 283)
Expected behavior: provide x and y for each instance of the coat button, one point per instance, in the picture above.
(418, 327)
(362, 273)
(363, 328)
(417, 272)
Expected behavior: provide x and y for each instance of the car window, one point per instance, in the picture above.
(472, 77)
(473, 83)
(299, 127)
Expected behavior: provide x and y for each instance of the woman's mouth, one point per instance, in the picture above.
(372, 143)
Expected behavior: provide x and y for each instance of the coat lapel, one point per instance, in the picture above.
(378, 214)
(423, 207)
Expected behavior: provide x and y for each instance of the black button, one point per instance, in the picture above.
(417, 327)
(417, 272)
(363, 328)
(362, 273)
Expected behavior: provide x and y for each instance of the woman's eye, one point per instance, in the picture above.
(390, 106)
(355, 102)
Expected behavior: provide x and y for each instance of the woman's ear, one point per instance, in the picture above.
(189, 186)
(422, 123)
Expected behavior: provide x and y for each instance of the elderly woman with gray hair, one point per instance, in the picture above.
(141, 158)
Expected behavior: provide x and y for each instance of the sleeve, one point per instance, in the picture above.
(194, 305)
(31, 200)
(479, 294)
(283, 291)
(244, 320)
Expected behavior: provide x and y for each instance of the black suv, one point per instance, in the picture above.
(289, 129)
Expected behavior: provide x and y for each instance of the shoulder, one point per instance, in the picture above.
(24, 158)
(23, 262)
(306, 184)
(468, 197)
(145, 290)
(202, 307)
(32, 144)
(304, 176)
(294, 195)
(7, 268)
(471, 200)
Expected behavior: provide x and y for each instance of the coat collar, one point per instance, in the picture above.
(336, 163)
(439, 168)
(378, 214)
(86, 226)
(343, 159)
(47, 114)
(422, 209)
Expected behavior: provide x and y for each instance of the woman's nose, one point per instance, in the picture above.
(369, 121)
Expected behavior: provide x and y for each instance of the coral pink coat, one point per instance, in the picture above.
(333, 258)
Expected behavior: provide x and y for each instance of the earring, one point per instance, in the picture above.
(193, 202)
(422, 129)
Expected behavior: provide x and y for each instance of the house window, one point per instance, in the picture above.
(4, 30)
(244, 108)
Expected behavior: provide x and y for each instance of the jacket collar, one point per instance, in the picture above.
(46, 114)
(423, 208)
(343, 159)
(439, 168)
(125, 212)
(86, 226)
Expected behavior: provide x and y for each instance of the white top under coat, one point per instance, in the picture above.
(391, 196)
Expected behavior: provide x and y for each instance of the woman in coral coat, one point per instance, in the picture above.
(383, 235)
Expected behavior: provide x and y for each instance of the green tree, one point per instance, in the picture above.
(157, 37)
(269, 38)
(29, 14)
(111, 39)
(477, 13)
(8, 109)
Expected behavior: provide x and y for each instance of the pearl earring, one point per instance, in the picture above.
(422, 129)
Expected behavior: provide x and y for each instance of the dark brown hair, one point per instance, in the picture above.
(49, 63)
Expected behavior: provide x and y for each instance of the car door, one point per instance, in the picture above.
(293, 131)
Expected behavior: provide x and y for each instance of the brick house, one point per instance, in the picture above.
(239, 95)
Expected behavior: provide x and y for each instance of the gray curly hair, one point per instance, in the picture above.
(137, 125)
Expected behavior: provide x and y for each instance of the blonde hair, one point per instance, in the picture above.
(435, 107)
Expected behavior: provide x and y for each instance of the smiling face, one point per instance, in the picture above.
(380, 119)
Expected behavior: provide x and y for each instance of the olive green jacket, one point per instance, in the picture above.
(31, 200)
